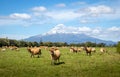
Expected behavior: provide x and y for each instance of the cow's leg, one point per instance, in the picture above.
(38, 56)
(31, 55)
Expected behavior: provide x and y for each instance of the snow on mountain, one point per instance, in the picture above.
(61, 28)
(62, 33)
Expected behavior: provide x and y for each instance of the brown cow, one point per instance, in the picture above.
(14, 48)
(73, 50)
(102, 50)
(88, 50)
(34, 51)
(93, 50)
(55, 55)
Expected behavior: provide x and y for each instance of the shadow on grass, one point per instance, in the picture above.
(59, 63)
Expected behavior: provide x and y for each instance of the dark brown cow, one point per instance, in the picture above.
(88, 50)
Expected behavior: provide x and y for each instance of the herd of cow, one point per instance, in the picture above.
(54, 51)
(4, 48)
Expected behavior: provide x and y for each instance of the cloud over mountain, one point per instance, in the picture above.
(97, 32)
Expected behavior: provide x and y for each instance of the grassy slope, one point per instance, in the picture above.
(19, 64)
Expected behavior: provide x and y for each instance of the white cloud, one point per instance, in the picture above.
(98, 13)
(101, 9)
(39, 9)
(86, 21)
(114, 28)
(78, 3)
(19, 16)
(40, 13)
(61, 5)
(63, 15)
(14, 36)
(83, 21)
(41, 17)
(66, 14)
(110, 33)
(8, 21)
(97, 10)
(84, 29)
(96, 31)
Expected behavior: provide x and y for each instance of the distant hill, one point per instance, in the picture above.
(66, 37)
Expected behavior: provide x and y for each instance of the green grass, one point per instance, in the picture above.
(20, 64)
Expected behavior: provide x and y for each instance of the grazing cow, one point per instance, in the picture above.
(79, 49)
(34, 51)
(102, 50)
(46, 48)
(93, 50)
(55, 55)
(88, 50)
(3, 49)
(73, 50)
(14, 48)
(82, 48)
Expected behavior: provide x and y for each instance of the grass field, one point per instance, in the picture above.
(20, 64)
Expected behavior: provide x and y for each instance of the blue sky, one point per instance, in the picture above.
(20, 19)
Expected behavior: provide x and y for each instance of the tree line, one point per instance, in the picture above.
(22, 43)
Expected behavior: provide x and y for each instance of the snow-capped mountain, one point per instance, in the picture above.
(61, 33)
(69, 38)
(61, 28)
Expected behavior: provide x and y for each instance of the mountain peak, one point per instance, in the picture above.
(61, 28)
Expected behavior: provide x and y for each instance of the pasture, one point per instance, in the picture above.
(20, 64)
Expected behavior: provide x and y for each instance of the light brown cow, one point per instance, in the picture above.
(102, 50)
(74, 50)
(14, 48)
(34, 51)
(55, 55)
(93, 50)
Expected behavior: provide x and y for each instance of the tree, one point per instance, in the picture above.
(65, 44)
(41, 43)
(35, 43)
(101, 45)
(49, 44)
(3, 42)
(72, 44)
(88, 44)
(30, 44)
(14, 43)
(23, 44)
